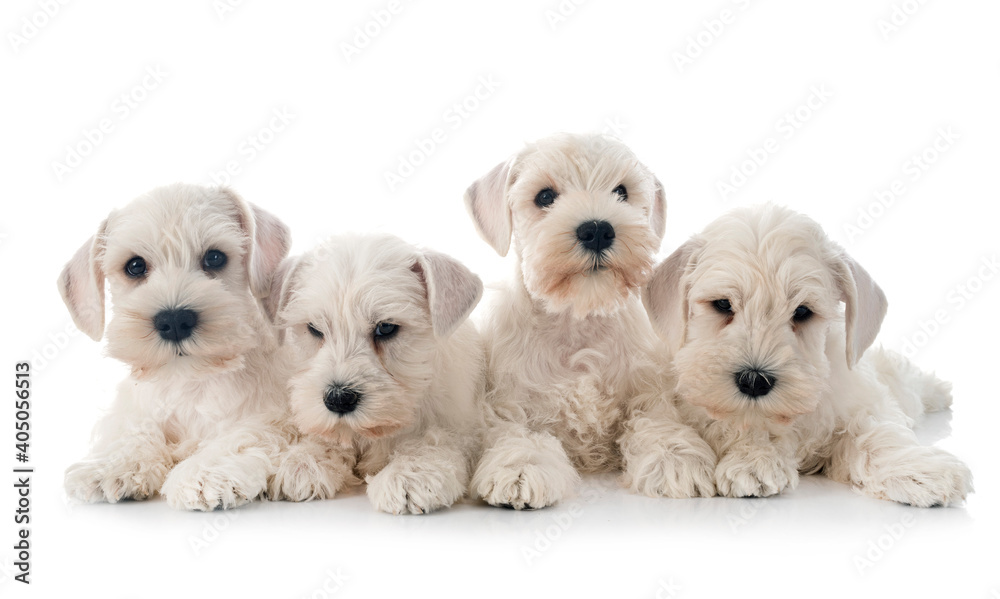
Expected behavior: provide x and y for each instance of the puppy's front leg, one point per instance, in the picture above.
(753, 462)
(229, 470)
(662, 456)
(130, 461)
(425, 472)
(885, 460)
(130, 458)
(523, 469)
(312, 468)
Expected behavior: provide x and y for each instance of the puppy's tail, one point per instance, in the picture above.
(916, 391)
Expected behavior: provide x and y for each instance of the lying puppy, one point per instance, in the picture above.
(572, 383)
(775, 375)
(385, 372)
(201, 419)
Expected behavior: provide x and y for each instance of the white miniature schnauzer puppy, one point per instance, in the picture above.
(775, 374)
(201, 419)
(572, 383)
(386, 372)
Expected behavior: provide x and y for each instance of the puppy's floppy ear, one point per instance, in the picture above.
(665, 297)
(452, 290)
(284, 281)
(486, 201)
(865, 305)
(81, 285)
(270, 242)
(658, 215)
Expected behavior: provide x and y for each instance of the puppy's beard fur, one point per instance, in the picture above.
(566, 277)
(706, 374)
(380, 413)
(224, 334)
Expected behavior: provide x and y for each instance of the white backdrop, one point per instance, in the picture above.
(878, 118)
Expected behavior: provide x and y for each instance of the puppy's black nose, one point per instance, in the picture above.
(755, 383)
(341, 400)
(175, 325)
(596, 235)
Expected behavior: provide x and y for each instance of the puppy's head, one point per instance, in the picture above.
(362, 319)
(585, 215)
(185, 264)
(746, 307)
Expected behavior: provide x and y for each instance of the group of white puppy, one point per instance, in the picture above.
(730, 368)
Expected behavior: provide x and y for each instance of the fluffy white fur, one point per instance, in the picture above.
(201, 421)
(833, 407)
(572, 384)
(416, 427)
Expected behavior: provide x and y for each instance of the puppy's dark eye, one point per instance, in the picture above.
(802, 314)
(545, 197)
(723, 306)
(622, 193)
(385, 330)
(314, 331)
(213, 260)
(136, 267)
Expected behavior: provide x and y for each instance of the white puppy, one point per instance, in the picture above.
(385, 372)
(572, 383)
(201, 417)
(775, 374)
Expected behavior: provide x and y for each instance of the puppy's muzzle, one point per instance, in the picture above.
(596, 235)
(175, 325)
(341, 400)
(754, 382)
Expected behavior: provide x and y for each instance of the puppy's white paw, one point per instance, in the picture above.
(114, 479)
(407, 486)
(755, 474)
(525, 473)
(936, 478)
(195, 486)
(303, 476)
(677, 472)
